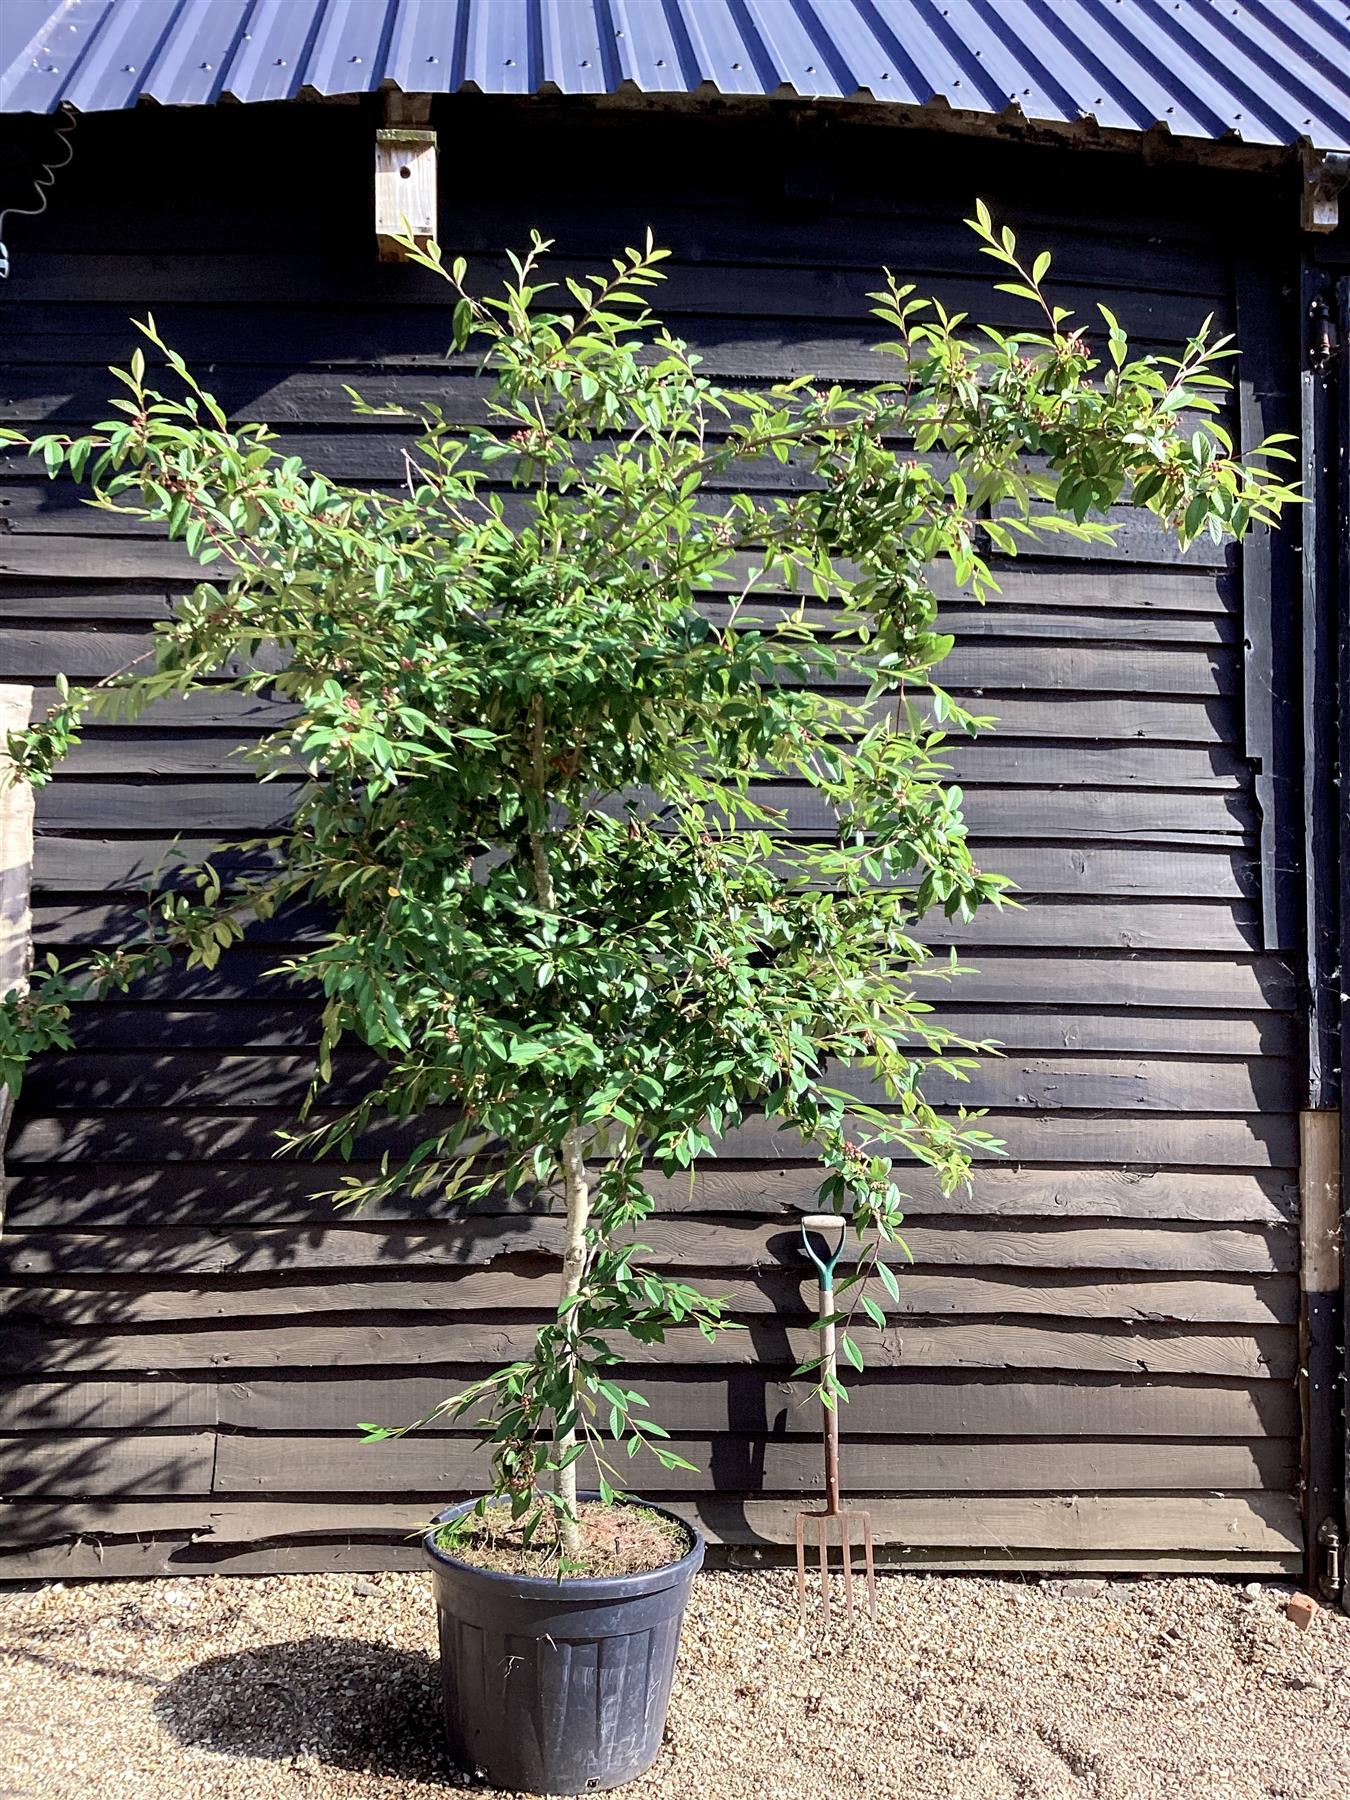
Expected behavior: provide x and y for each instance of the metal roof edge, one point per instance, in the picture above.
(1272, 72)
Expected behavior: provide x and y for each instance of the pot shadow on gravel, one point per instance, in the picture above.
(345, 1702)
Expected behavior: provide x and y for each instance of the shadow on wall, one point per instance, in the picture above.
(119, 1344)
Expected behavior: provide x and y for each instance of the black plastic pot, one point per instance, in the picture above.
(557, 1687)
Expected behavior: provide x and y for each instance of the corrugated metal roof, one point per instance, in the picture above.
(1261, 71)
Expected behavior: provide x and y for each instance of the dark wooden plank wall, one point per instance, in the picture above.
(1094, 1361)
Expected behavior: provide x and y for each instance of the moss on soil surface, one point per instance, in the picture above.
(615, 1540)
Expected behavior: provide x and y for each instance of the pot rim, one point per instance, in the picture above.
(595, 1587)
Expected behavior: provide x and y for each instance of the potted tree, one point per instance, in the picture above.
(622, 798)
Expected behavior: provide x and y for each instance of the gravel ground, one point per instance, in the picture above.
(968, 1689)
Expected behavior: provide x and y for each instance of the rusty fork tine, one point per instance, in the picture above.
(825, 1569)
(846, 1544)
(801, 1563)
(871, 1566)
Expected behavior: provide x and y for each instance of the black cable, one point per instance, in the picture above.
(42, 183)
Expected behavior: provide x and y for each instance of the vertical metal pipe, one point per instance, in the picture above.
(1326, 745)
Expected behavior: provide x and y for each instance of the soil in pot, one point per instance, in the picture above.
(615, 1540)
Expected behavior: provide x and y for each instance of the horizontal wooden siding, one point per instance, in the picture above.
(1093, 1363)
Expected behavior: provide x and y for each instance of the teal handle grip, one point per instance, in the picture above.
(826, 1266)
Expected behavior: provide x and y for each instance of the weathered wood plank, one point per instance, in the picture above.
(76, 558)
(1253, 1141)
(1138, 1031)
(991, 668)
(744, 1465)
(40, 605)
(230, 808)
(695, 290)
(222, 709)
(1039, 978)
(1058, 714)
(997, 669)
(369, 351)
(1053, 924)
(925, 1293)
(78, 1081)
(1242, 1142)
(1008, 760)
(54, 372)
(82, 1554)
(723, 1244)
(1171, 1524)
(1035, 600)
(155, 1195)
(371, 457)
(1024, 617)
(1036, 923)
(78, 651)
(151, 1403)
(1135, 1349)
(705, 219)
(75, 1464)
(98, 864)
(756, 1400)
(1082, 880)
(740, 1399)
(1026, 582)
(996, 976)
(246, 1025)
(1000, 1189)
(1266, 1522)
(255, 1026)
(1103, 719)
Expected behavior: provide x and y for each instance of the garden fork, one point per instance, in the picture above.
(832, 1510)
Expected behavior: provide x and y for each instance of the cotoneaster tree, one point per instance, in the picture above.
(621, 788)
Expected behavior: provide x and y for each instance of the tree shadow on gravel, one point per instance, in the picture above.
(346, 1702)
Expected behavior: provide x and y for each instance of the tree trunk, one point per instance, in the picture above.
(578, 1199)
(577, 1195)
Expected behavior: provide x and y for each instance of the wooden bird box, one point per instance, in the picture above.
(405, 189)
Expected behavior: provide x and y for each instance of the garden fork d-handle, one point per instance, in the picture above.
(825, 1265)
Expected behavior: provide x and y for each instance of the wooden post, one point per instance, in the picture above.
(1319, 1321)
(16, 874)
